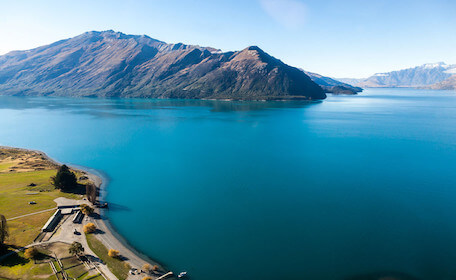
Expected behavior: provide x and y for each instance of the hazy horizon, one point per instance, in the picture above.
(353, 39)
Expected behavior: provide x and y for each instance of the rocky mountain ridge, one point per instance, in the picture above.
(113, 64)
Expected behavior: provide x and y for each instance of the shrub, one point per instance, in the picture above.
(147, 267)
(86, 209)
(147, 278)
(113, 253)
(89, 228)
(31, 253)
(155, 267)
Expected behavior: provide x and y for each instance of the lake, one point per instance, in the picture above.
(266, 190)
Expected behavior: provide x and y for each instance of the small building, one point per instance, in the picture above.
(53, 221)
(77, 218)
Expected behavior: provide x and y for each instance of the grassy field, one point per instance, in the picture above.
(118, 267)
(74, 268)
(18, 267)
(25, 177)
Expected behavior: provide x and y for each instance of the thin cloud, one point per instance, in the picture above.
(289, 13)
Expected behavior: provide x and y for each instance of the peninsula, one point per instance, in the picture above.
(55, 229)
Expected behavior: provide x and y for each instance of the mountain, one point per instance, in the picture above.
(330, 85)
(350, 81)
(419, 76)
(448, 84)
(113, 64)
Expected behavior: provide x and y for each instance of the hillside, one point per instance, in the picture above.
(113, 64)
(330, 85)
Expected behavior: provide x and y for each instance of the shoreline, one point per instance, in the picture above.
(111, 238)
(104, 224)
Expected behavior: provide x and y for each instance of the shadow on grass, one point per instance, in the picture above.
(13, 260)
(75, 265)
(93, 277)
(80, 276)
(42, 256)
(94, 259)
(122, 258)
(79, 189)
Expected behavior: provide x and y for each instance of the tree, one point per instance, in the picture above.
(89, 228)
(91, 192)
(64, 179)
(31, 253)
(86, 209)
(76, 248)
(113, 253)
(3, 229)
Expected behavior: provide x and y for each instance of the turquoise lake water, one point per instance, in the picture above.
(266, 190)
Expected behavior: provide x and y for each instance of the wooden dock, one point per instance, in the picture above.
(165, 275)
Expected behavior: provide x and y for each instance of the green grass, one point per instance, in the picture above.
(75, 268)
(14, 201)
(118, 267)
(18, 267)
(5, 166)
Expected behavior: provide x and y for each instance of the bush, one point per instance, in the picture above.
(31, 253)
(147, 278)
(113, 253)
(147, 268)
(155, 267)
(89, 228)
(86, 209)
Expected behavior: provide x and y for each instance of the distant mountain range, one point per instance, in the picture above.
(330, 85)
(431, 75)
(113, 64)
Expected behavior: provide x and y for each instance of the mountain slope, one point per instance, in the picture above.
(112, 64)
(330, 85)
(419, 76)
(448, 84)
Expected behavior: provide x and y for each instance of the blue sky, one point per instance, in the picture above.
(350, 38)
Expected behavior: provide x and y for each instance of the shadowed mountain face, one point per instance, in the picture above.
(330, 85)
(112, 64)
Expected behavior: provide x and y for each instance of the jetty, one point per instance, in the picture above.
(165, 275)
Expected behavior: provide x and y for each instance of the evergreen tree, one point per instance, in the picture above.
(3, 229)
(64, 179)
